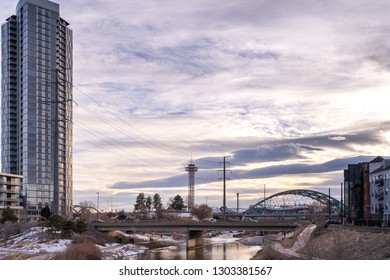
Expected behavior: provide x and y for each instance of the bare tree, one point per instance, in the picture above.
(202, 211)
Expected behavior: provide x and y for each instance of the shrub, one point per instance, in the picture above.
(8, 215)
(66, 227)
(85, 250)
(8, 229)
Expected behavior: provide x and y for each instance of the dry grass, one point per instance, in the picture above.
(8, 229)
(16, 257)
(341, 243)
(80, 251)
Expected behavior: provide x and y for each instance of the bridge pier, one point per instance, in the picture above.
(194, 238)
(194, 248)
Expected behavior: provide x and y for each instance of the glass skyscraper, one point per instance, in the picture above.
(36, 105)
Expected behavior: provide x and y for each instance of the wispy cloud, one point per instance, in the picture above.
(290, 90)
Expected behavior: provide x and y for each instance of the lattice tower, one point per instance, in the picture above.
(191, 169)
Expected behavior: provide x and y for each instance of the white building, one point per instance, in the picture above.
(380, 189)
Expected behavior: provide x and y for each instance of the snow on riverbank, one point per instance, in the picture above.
(117, 251)
(31, 242)
(37, 242)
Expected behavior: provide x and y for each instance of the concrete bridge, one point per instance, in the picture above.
(194, 229)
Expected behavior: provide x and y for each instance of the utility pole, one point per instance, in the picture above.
(224, 188)
(97, 214)
(329, 205)
(341, 205)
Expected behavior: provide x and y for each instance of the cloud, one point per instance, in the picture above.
(282, 87)
(337, 138)
(267, 154)
(309, 148)
(290, 169)
(256, 173)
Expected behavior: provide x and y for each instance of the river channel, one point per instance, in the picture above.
(222, 247)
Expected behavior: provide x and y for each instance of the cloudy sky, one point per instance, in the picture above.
(289, 91)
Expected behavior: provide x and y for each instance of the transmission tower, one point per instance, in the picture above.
(224, 186)
(191, 169)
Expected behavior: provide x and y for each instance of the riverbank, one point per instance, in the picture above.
(333, 243)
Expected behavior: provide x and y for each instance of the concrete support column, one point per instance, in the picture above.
(194, 238)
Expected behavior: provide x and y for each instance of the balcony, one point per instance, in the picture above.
(379, 182)
(8, 191)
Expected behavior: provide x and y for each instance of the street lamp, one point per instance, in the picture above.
(238, 199)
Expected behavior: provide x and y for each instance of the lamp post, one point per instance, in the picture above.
(238, 199)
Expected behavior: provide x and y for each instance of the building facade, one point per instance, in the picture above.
(10, 185)
(380, 186)
(37, 105)
(353, 192)
(367, 192)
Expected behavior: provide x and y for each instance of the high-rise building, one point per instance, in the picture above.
(36, 105)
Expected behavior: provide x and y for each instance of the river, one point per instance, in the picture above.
(222, 247)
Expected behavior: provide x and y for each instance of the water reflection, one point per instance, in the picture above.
(223, 247)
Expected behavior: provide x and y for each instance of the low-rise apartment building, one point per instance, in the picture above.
(10, 185)
(380, 191)
(367, 192)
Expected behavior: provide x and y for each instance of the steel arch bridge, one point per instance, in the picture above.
(293, 201)
(79, 210)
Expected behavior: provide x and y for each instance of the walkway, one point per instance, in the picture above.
(301, 242)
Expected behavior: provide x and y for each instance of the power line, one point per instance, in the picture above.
(116, 144)
(157, 143)
(122, 131)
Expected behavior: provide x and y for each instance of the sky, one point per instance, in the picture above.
(290, 92)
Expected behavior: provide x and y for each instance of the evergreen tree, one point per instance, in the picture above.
(8, 215)
(140, 202)
(80, 226)
(148, 202)
(56, 223)
(157, 204)
(177, 203)
(45, 212)
(122, 215)
(68, 227)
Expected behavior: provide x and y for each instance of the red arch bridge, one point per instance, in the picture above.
(291, 203)
(296, 202)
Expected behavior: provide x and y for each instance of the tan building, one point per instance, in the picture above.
(10, 185)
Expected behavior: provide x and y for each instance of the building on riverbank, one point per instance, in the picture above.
(366, 192)
(36, 105)
(10, 185)
(379, 187)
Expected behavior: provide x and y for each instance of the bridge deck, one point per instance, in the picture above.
(195, 226)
